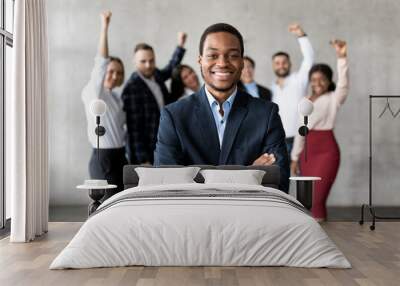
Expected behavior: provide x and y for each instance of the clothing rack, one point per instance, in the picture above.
(370, 205)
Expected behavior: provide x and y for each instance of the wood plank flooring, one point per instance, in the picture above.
(375, 257)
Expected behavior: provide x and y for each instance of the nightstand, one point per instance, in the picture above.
(304, 189)
(96, 193)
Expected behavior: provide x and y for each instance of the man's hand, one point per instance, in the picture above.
(105, 18)
(265, 160)
(296, 29)
(294, 168)
(182, 39)
(340, 47)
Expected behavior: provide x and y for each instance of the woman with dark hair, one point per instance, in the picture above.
(323, 156)
(107, 74)
(184, 82)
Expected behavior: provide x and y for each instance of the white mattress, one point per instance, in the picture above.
(202, 231)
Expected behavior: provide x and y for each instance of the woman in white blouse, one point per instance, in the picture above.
(107, 74)
(323, 155)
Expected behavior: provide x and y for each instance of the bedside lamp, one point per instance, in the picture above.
(97, 187)
(305, 108)
(305, 185)
(98, 108)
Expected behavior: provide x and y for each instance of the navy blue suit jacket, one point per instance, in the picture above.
(188, 135)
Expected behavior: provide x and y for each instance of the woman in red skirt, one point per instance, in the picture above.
(323, 155)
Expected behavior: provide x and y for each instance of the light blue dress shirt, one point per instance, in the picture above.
(252, 89)
(220, 121)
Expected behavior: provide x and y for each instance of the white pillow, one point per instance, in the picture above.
(166, 176)
(248, 177)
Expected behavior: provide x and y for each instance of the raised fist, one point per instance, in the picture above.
(182, 39)
(340, 48)
(296, 29)
(105, 17)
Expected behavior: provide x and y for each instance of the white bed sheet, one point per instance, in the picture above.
(200, 232)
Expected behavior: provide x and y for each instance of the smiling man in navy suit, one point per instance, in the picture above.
(220, 125)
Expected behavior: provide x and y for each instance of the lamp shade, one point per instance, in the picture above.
(305, 107)
(98, 107)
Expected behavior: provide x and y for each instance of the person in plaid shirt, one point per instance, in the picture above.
(144, 95)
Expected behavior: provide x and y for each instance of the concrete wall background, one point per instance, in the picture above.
(369, 26)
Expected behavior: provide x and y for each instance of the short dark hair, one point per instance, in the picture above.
(326, 71)
(252, 62)
(143, 46)
(281, 53)
(221, 27)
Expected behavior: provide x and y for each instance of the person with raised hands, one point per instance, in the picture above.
(107, 74)
(323, 151)
(290, 87)
(144, 95)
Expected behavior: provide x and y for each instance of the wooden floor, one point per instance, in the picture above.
(375, 256)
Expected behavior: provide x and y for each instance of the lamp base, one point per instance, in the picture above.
(304, 193)
(96, 195)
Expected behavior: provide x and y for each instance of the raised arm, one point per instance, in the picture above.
(103, 41)
(342, 86)
(176, 58)
(93, 89)
(306, 50)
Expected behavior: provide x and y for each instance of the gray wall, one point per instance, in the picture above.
(369, 26)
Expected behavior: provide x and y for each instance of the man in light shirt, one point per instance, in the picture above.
(289, 88)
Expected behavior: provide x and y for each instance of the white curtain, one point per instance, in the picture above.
(26, 123)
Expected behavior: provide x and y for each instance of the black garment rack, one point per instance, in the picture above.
(370, 205)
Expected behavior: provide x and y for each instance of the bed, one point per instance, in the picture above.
(198, 224)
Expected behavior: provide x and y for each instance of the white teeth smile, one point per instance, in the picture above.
(222, 75)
